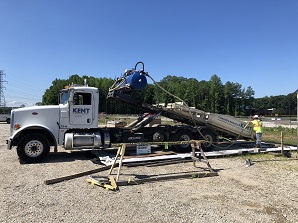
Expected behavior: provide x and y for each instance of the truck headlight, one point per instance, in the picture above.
(17, 126)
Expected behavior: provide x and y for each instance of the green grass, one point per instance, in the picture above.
(273, 135)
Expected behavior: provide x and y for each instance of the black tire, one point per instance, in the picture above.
(210, 139)
(33, 148)
(8, 121)
(158, 137)
(183, 135)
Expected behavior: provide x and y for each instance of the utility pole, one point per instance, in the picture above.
(2, 98)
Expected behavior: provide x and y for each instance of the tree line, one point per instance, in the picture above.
(210, 96)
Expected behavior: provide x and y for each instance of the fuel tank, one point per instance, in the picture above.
(82, 140)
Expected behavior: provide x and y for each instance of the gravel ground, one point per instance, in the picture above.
(264, 192)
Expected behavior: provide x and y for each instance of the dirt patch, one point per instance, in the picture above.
(264, 192)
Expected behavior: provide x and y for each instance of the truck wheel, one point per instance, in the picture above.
(158, 137)
(33, 148)
(8, 121)
(182, 136)
(210, 138)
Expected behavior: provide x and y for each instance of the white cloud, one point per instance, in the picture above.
(12, 102)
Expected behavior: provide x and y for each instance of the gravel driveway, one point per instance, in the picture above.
(264, 192)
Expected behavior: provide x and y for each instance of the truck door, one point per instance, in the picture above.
(81, 109)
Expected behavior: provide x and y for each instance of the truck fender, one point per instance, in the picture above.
(35, 129)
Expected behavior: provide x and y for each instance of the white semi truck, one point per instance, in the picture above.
(5, 118)
(73, 124)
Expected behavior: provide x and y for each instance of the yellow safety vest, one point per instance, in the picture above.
(258, 125)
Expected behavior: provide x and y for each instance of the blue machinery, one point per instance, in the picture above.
(134, 80)
(125, 88)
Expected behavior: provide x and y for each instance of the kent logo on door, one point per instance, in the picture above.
(81, 109)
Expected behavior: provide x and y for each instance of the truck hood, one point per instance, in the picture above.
(36, 115)
(38, 109)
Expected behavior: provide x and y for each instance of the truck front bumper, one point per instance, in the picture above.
(9, 144)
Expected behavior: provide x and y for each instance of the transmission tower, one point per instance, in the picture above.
(2, 98)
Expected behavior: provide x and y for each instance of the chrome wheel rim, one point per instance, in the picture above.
(34, 148)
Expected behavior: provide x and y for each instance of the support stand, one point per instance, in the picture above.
(113, 184)
(121, 152)
(197, 145)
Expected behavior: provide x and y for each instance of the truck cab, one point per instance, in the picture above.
(34, 129)
(79, 107)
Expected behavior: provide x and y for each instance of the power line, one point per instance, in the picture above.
(18, 93)
(2, 98)
(22, 92)
(24, 84)
(14, 97)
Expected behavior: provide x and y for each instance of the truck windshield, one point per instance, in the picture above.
(64, 97)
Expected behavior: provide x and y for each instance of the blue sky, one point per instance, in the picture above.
(253, 43)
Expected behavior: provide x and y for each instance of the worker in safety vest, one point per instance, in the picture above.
(258, 128)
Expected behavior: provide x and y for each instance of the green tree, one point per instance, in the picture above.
(203, 96)
(149, 94)
(51, 95)
(216, 94)
(210, 96)
(229, 91)
(247, 101)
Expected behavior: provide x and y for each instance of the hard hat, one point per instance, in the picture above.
(256, 116)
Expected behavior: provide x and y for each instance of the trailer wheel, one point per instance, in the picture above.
(33, 148)
(158, 137)
(210, 138)
(183, 135)
(8, 121)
